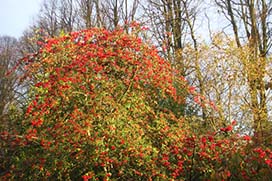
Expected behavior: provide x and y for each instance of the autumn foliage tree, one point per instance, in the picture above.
(96, 91)
(250, 23)
(97, 111)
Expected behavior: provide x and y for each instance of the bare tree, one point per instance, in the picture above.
(58, 16)
(89, 13)
(9, 86)
(119, 12)
(173, 23)
(68, 13)
(48, 19)
(173, 26)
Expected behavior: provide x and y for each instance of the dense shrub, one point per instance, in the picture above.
(96, 112)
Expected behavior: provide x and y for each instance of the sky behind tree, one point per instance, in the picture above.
(17, 15)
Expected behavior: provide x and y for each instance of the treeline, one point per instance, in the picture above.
(230, 68)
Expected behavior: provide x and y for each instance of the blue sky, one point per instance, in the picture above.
(17, 15)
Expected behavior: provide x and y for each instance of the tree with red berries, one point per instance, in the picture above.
(99, 110)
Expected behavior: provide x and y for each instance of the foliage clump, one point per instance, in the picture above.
(97, 111)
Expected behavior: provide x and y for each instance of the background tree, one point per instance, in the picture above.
(11, 93)
(57, 17)
(89, 13)
(174, 25)
(121, 12)
(253, 16)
